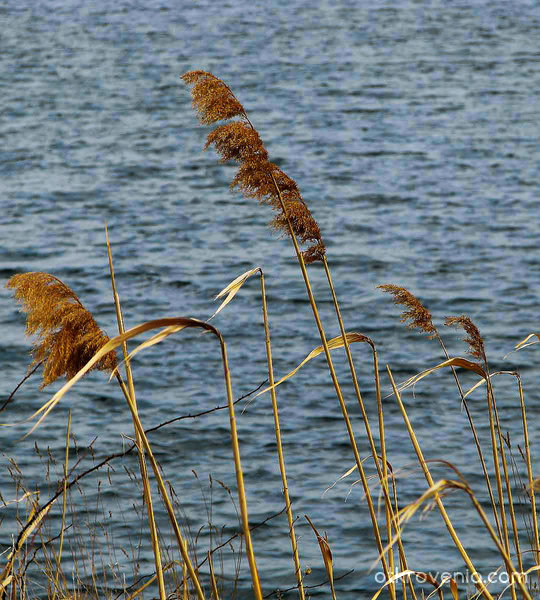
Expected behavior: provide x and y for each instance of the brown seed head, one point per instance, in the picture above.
(256, 177)
(212, 98)
(237, 141)
(473, 339)
(420, 316)
(67, 335)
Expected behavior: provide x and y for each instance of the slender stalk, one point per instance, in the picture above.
(239, 474)
(479, 584)
(495, 451)
(142, 462)
(64, 507)
(213, 581)
(507, 483)
(162, 489)
(294, 543)
(383, 474)
(337, 388)
(530, 490)
(476, 439)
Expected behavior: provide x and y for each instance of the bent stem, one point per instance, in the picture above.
(479, 583)
(337, 388)
(288, 507)
(516, 576)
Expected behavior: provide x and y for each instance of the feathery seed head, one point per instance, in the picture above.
(67, 335)
(256, 177)
(212, 98)
(420, 316)
(237, 141)
(473, 339)
(303, 224)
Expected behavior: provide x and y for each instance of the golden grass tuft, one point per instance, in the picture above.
(67, 334)
(418, 314)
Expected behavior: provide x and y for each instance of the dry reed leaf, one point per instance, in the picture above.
(345, 475)
(67, 334)
(524, 344)
(333, 344)
(325, 551)
(454, 588)
(5, 583)
(407, 512)
(155, 339)
(232, 289)
(169, 322)
(451, 362)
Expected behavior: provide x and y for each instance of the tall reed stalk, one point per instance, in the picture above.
(259, 178)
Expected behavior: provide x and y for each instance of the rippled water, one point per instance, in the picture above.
(412, 130)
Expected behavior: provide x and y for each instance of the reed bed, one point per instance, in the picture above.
(67, 342)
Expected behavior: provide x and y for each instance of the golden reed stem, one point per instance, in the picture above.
(142, 461)
(337, 388)
(288, 507)
(479, 583)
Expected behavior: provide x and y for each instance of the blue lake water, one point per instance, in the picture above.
(412, 130)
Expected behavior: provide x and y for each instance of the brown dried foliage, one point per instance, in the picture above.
(473, 339)
(418, 314)
(67, 335)
(256, 177)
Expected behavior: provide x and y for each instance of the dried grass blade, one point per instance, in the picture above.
(333, 344)
(184, 322)
(155, 339)
(326, 553)
(233, 288)
(524, 344)
(452, 362)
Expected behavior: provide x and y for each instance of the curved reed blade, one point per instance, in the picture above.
(155, 339)
(333, 344)
(232, 289)
(452, 362)
(393, 579)
(113, 343)
(326, 555)
(524, 344)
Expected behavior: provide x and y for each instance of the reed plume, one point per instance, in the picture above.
(67, 334)
(473, 339)
(418, 314)
(256, 177)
